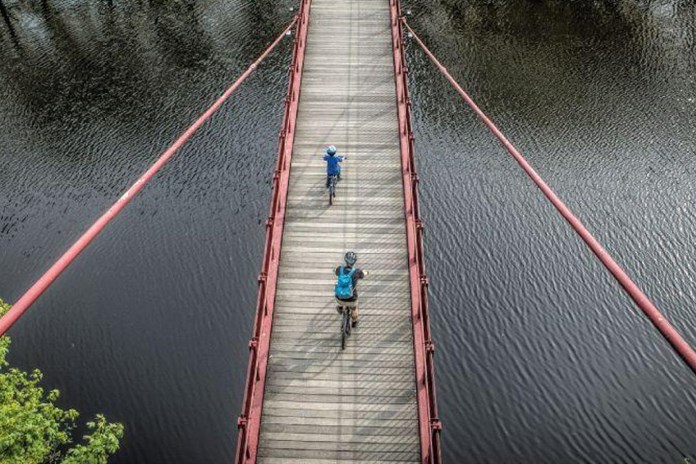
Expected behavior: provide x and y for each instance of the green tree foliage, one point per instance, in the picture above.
(33, 430)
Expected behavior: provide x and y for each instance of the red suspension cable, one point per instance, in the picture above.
(668, 331)
(47, 279)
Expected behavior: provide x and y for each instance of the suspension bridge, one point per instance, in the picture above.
(306, 400)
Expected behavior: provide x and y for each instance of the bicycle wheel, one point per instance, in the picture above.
(332, 190)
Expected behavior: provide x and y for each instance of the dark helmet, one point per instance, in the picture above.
(331, 150)
(350, 258)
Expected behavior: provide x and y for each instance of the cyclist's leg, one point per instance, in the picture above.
(328, 180)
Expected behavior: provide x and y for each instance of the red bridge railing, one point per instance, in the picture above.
(250, 420)
(424, 348)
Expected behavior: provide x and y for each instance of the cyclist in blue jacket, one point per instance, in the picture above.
(333, 168)
(348, 297)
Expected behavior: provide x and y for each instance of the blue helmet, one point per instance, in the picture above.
(331, 150)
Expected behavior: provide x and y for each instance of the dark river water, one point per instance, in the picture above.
(541, 356)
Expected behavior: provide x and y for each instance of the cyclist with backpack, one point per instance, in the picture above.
(333, 167)
(346, 286)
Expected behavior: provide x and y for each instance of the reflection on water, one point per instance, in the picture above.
(150, 324)
(541, 357)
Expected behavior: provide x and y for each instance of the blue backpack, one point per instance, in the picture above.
(344, 285)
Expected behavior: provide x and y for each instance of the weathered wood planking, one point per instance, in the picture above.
(321, 404)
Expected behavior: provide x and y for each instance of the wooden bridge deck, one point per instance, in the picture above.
(321, 404)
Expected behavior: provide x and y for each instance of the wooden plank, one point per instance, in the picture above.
(355, 351)
(349, 455)
(377, 341)
(291, 318)
(337, 416)
(325, 306)
(307, 364)
(335, 340)
(344, 436)
(375, 330)
(371, 428)
(272, 460)
(333, 328)
(390, 398)
(328, 376)
(398, 410)
(344, 387)
(369, 304)
(405, 445)
(383, 340)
